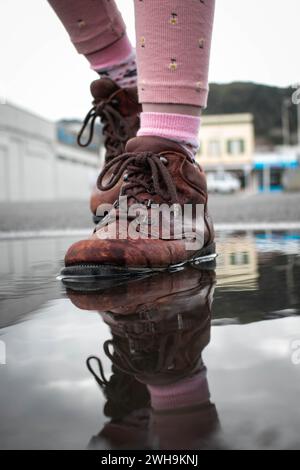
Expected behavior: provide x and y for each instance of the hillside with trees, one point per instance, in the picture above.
(263, 101)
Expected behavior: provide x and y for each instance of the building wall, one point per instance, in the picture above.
(220, 138)
(26, 155)
(35, 166)
(277, 170)
(76, 172)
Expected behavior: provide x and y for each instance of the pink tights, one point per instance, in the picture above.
(173, 39)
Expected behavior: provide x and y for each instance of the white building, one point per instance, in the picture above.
(227, 144)
(34, 165)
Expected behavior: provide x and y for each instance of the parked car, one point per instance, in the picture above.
(223, 183)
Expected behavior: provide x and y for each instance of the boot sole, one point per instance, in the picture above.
(205, 259)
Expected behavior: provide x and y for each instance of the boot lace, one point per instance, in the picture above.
(115, 128)
(145, 172)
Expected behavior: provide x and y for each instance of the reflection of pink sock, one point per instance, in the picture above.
(186, 392)
(179, 127)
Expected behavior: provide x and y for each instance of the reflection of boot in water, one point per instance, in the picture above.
(160, 326)
(157, 294)
(127, 407)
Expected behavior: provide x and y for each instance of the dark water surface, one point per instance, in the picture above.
(152, 335)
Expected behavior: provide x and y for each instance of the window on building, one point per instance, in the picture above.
(235, 146)
(239, 258)
(214, 148)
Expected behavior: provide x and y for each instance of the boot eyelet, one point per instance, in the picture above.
(164, 160)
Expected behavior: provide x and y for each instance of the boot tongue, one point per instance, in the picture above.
(165, 148)
(154, 144)
(103, 88)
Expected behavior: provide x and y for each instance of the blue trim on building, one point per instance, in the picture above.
(283, 165)
(273, 189)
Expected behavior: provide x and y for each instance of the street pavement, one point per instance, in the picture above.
(225, 209)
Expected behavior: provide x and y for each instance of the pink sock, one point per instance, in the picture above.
(123, 73)
(181, 128)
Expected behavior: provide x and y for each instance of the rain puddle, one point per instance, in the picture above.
(186, 360)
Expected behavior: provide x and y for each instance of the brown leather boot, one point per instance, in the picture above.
(158, 171)
(118, 110)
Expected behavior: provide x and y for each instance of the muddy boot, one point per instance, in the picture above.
(157, 173)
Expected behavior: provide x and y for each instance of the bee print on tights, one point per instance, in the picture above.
(173, 18)
(201, 43)
(173, 64)
(199, 86)
(142, 41)
(81, 24)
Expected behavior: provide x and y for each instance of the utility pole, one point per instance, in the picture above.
(298, 116)
(285, 119)
(296, 101)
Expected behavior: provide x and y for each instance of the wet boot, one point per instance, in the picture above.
(155, 172)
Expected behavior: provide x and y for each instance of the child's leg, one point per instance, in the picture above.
(173, 49)
(97, 31)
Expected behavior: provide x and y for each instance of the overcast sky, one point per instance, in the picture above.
(254, 40)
